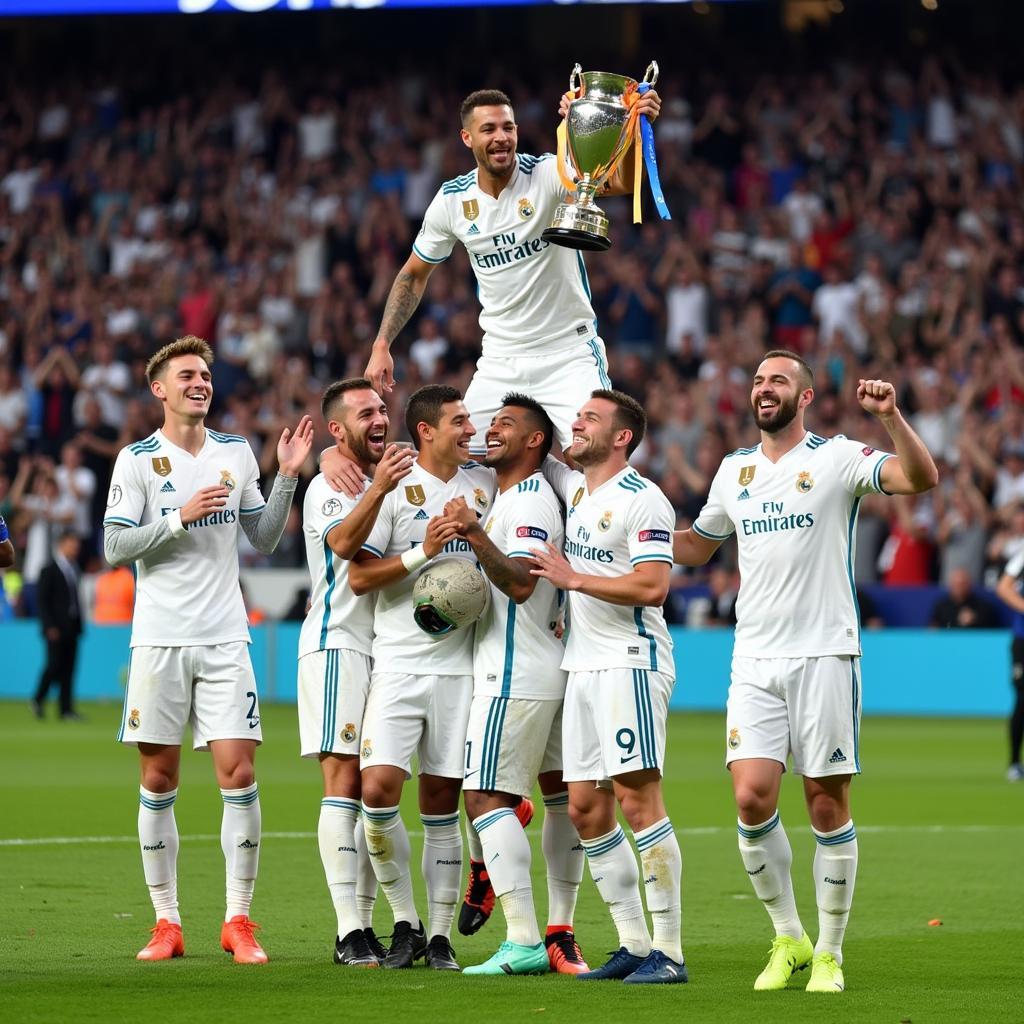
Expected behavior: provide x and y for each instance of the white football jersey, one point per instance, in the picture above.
(517, 653)
(187, 594)
(795, 522)
(399, 645)
(626, 521)
(337, 618)
(534, 296)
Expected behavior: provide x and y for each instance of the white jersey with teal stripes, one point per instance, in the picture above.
(517, 653)
(190, 596)
(337, 618)
(399, 646)
(534, 296)
(623, 523)
(795, 522)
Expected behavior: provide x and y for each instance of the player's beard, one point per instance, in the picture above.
(495, 170)
(359, 446)
(596, 452)
(782, 416)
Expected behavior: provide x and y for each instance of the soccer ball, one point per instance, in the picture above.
(449, 594)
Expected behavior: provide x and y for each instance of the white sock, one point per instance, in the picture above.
(768, 859)
(662, 864)
(158, 839)
(442, 870)
(507, 855)
(366, 880)
(335, 831)
(387, 843)
(613, 868)
(564, 856)
(835, 874)
(476, 850)
(240, 840)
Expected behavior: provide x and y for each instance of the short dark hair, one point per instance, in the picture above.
(424, 406)
(539, 415)
(334, 393)
(482, 98)
(805, 367)
(629, 415)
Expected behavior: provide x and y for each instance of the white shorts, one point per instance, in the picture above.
(807, 708)
(425, 715)
(213, 688)
(614, 723)
(510, 742)
(560, 381)
(332, 694)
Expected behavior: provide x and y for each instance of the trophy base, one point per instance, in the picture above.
(579, 225)
(577, 238)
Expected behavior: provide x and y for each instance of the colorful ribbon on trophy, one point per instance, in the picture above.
(643, 154)
(645, 141)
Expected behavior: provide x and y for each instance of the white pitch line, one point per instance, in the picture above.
(712, 830)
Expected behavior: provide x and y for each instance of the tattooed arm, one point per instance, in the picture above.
(403, 299)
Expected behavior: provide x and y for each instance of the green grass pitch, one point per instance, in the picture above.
(941, 836)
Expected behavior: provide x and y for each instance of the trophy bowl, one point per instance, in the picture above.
(598, 131)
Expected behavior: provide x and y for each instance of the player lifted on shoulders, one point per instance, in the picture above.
(334, 654)
(515, 725)
(618, 555)
(540, 332)
(422, 686)
(176, 502)
(795, 692)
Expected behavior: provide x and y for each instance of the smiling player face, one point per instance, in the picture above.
(593, 433)
(449, 440)
(363, 425)
(492, 134)
(508, 435)
(186, 388)
(777, 396)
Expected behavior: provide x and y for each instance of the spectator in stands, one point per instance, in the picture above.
(962, 608)
(114, 597)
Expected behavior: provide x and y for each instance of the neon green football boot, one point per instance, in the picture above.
(826, 974)
(787, 956)
(513, 958)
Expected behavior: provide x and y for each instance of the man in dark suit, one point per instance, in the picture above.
(60, 614)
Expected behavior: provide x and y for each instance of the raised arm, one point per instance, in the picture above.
(913, 470)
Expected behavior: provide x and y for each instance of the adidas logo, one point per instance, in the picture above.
(838, 757)
(421, 515)
(167, 488)
(473, 230)
(248, 844)
(744, 494)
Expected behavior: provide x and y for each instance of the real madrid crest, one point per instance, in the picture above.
(746, 475)
(348, 734)
(734, 739)
(161, 465)
(470, 209)
(414, 494)
(479, 498)
(804, 482)
(227, 480)
(604, 524)
(525, 208)
(367, 749)
(133, 719)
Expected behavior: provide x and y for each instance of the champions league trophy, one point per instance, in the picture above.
(598, 130)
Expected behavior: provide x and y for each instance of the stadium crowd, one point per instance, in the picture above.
(871, 219)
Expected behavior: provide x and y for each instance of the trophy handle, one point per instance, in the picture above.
(651, 74)
(574, 79)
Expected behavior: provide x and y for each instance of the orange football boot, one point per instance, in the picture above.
(238, 936)
(166, 943)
